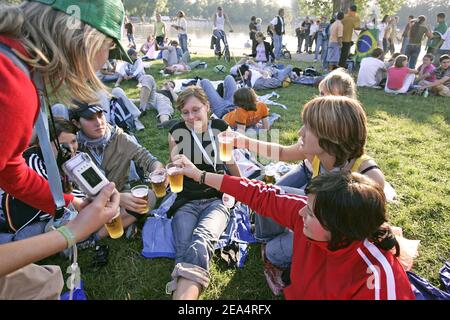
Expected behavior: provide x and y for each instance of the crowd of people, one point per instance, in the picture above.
(327, 216)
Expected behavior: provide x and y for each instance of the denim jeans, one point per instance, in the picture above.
(110, 77)
(220, 106)
(404, 45)
(279, 238)
(275, 81)
(182, 38)
(277, 43)
(323, 56)
(320, 43)
(33, 229)
(413, 51)
(131, 40)
(219, 34)
(197, 226)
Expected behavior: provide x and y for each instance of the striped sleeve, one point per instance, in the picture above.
(266, 199)
(386, 278)
(38, 165)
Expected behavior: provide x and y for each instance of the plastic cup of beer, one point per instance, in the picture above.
(141, 192)
(175, 173)
(115, 227)
(269, 176)
(226, 139)
(158, 179)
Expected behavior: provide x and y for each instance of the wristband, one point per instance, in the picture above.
(68, 235)
(202, 177)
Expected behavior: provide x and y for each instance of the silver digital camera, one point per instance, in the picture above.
(82, 170)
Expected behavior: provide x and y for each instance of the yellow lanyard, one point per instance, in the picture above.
(355, 167)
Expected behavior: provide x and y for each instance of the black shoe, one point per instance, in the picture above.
(167, 124)
(100, 258)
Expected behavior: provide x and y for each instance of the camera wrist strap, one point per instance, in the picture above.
(41, 127)
(54, 178)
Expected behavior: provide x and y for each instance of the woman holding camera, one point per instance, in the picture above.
(66, 50)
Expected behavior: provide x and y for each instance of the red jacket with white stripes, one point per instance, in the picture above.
(19, 109)
(359, 271)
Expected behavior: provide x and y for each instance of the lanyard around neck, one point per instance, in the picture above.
(202, 149)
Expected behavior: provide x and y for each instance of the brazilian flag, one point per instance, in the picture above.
(366, 43)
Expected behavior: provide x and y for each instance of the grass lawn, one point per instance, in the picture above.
(408, 137)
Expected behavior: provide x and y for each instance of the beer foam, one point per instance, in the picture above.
(173, 171)
(140, 193)
(158, 178)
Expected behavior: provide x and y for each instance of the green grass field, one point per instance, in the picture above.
(408, 137)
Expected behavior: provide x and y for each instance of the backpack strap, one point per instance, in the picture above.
(7, 51)
(359, 161)
(42, 130)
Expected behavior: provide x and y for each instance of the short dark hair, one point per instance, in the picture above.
(429, 56)
(353, 8)
(444, 57)
(253, 18)
(441, 15)
(62, 125)
(377, 52)
(340, 15)
(245, 98)
(411, 16)
(352, 207)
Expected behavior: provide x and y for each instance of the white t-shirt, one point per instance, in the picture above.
(314, 28)
(381, 28)
(368, 71)
(446, 38)
(275, 21)
(220, 22)
(182, 23)
(255, 76)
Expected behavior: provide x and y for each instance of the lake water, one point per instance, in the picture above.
(199, 34)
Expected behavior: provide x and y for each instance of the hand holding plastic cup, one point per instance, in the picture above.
(226, 142)
(115, 227)
(141, 192)
(158, 180)
(175, 173)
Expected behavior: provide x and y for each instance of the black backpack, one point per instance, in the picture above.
(311, 72)
(121, 116)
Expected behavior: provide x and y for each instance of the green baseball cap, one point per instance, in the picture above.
(106, 16)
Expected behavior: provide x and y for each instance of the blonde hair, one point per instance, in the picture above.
(338, 83)
(340, 124)
(63, 54)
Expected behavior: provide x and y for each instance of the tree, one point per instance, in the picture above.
(319, 7)
(144, 7)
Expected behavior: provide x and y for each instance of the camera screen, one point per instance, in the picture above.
(91, 177)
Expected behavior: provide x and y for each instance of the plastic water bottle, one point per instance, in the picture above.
(426, 93)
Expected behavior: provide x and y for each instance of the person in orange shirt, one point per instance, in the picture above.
(249, 111)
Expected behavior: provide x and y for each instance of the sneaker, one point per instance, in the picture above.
(139, 125)
(100, 258)
(131, 231)
(87, 243)
(273, 274)
(315, 60)
(167, 124)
